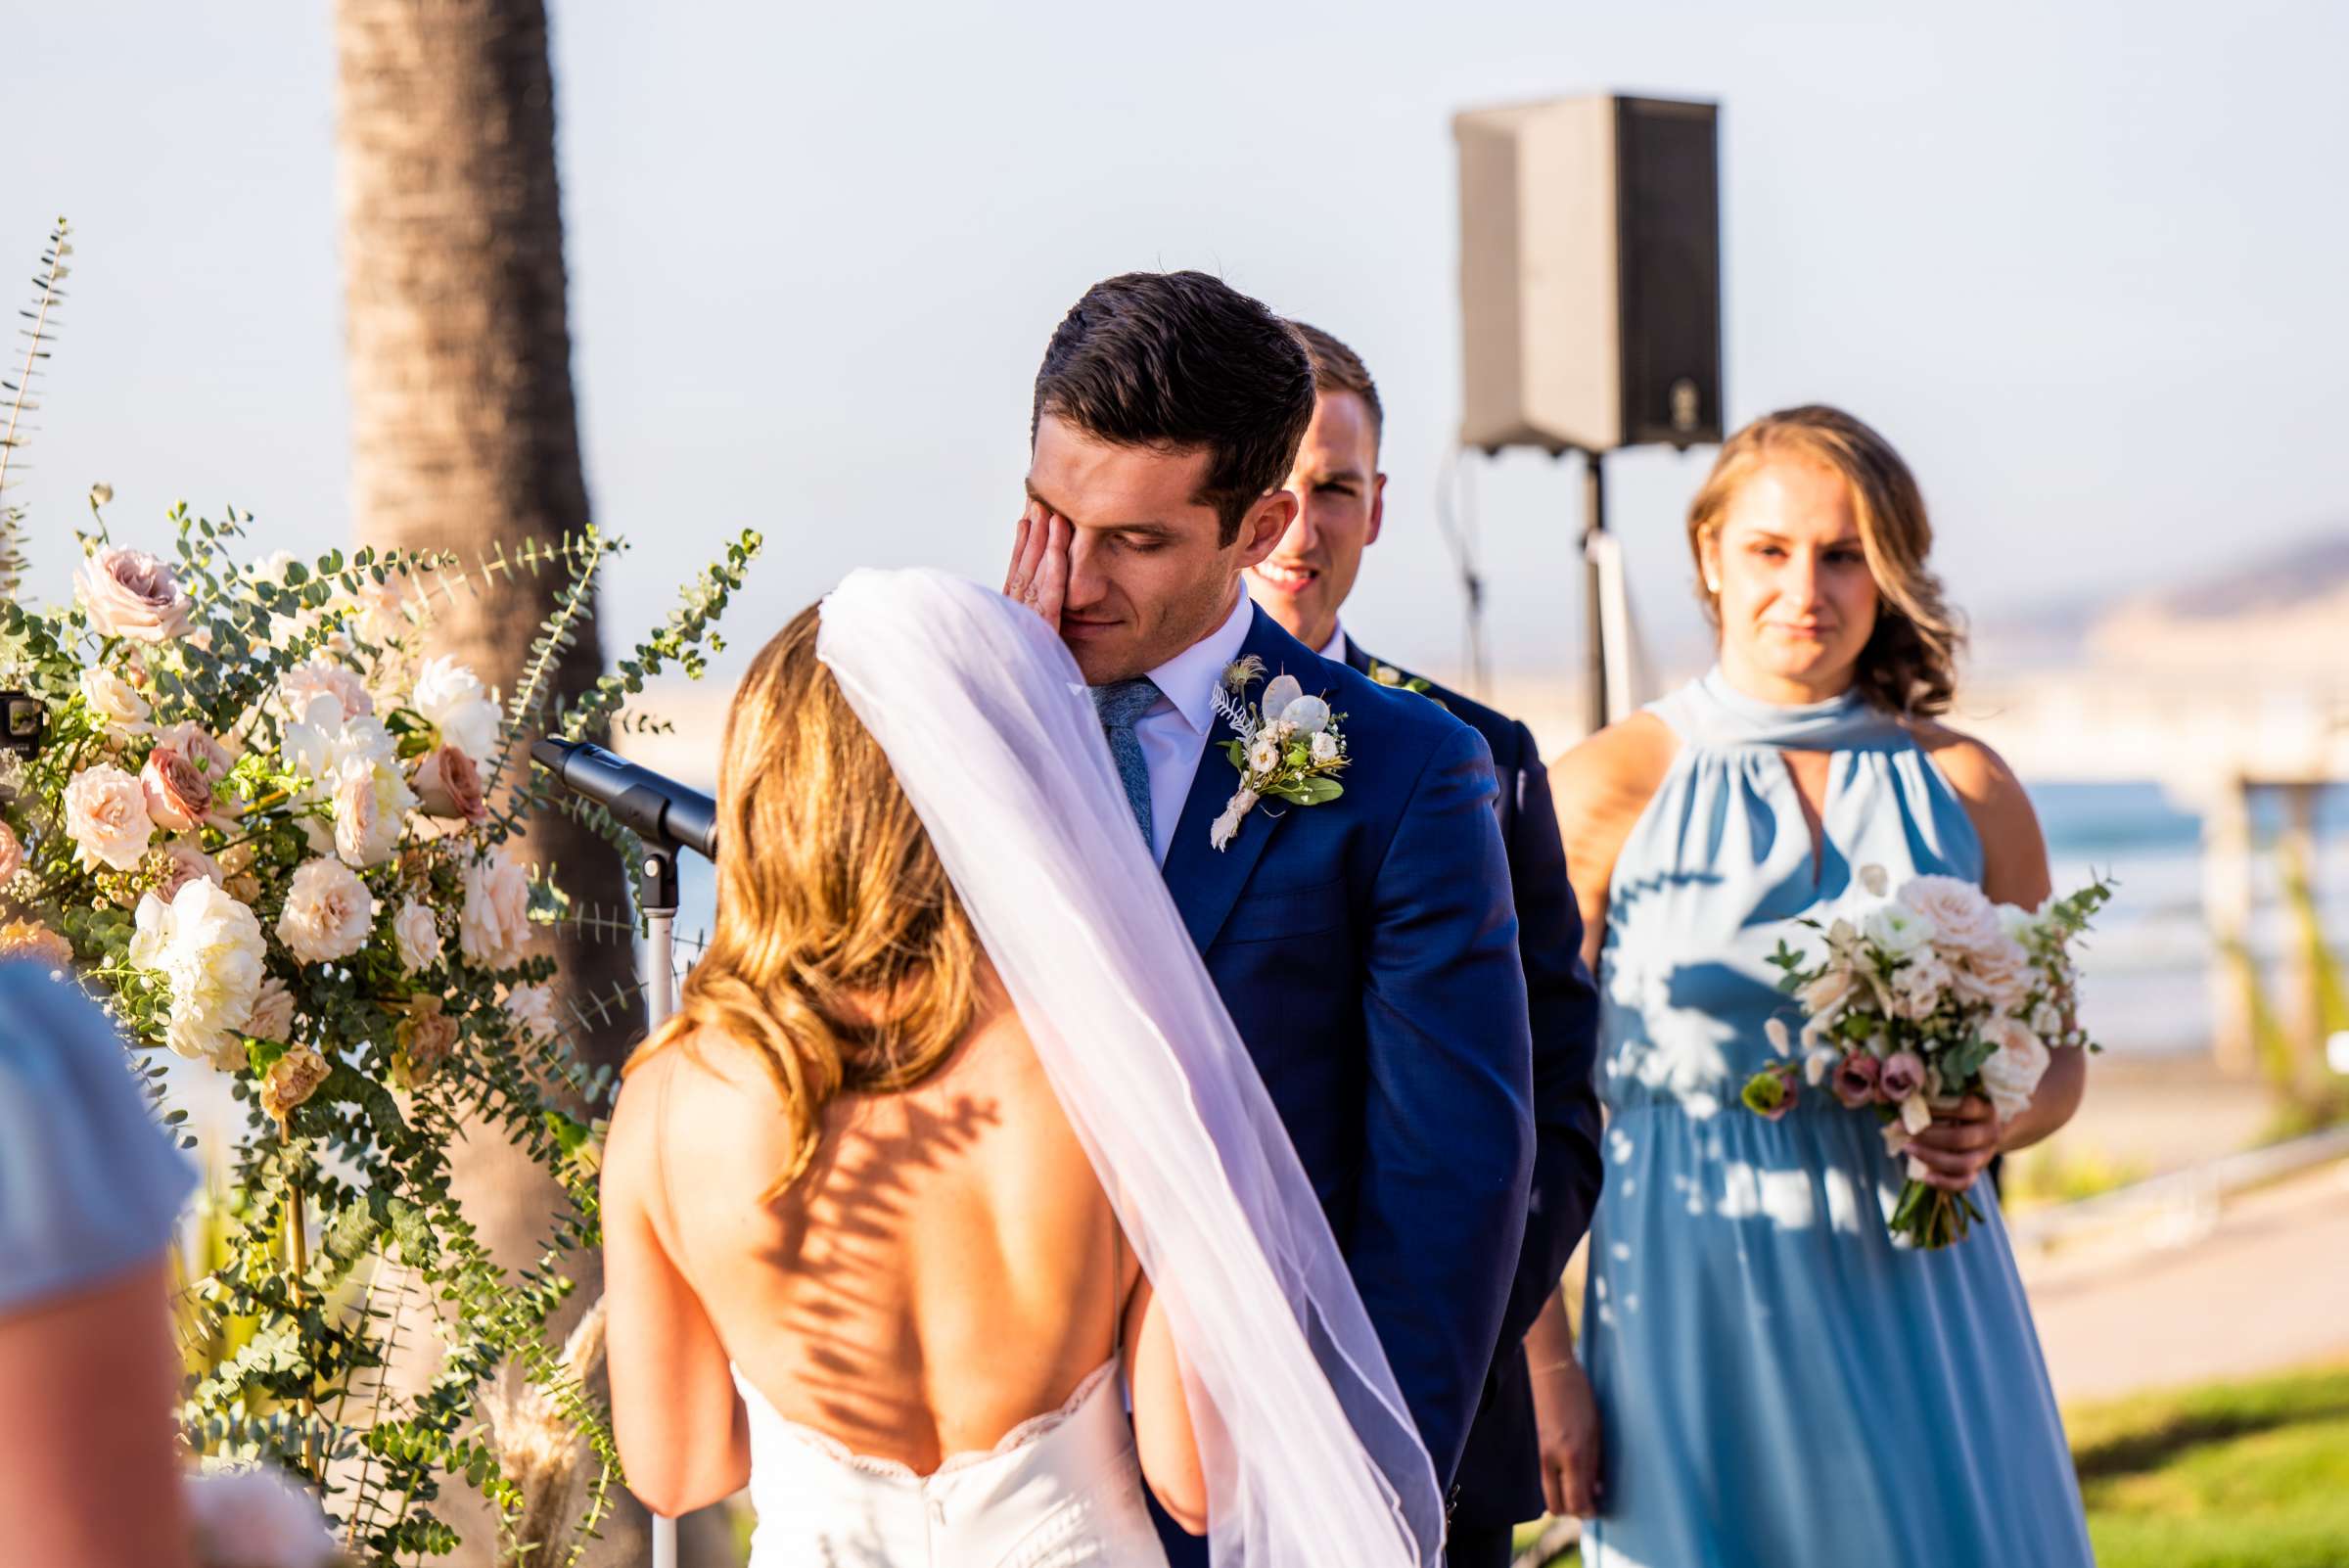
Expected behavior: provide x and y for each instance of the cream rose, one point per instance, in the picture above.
(1999, 973)
(417, 937)
(178, 863)
(179, 797)
(302, 686)
(453, 700)
(2011, 1074)
(370, 804)
(106, 817)
(273, 1011)
(33, 941)
(115, 703)
(292, 1079)
(328, 912)
(449, 784)
(426, 1038)
(208, 947)
(130, 593)
(1963, 919)
(494, 921)
(532, 1009)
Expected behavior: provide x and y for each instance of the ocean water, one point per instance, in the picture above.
(2147, 968)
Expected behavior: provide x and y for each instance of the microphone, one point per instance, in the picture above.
(660, 809)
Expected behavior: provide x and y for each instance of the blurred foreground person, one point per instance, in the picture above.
(90, 1189)
(1772, 1380)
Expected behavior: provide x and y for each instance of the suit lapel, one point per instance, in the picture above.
(1206, 881)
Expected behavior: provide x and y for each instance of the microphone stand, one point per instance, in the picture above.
(657, 895)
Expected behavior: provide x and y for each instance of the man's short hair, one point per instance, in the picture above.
(1181, 361)
(1338, 368)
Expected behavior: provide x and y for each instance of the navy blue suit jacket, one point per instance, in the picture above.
(1366, 949)
(1499, 1477)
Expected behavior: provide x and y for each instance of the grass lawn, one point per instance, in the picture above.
(2233, 1475)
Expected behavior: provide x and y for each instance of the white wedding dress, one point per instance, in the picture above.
(1307, 1449)
(1059, 1491)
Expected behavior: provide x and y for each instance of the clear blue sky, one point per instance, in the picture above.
(2083, 262)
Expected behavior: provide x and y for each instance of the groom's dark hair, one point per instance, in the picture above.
(1179, 361)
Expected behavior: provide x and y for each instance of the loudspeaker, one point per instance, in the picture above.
(1590, 274)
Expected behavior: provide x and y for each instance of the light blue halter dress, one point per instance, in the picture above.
(1778, 1385)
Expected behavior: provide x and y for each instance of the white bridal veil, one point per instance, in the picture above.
(1309, 1452)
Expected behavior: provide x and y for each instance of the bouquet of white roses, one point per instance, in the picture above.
(1930, 994)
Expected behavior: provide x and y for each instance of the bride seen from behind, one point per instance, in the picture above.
(841, 1175)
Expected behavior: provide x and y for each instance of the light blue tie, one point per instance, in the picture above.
(1120, 704)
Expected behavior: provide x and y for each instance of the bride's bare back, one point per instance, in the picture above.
(946, 1268)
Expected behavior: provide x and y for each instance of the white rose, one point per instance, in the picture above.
(328, 912)
(1897, 929)
(302, 686)
(1326, 748)
(1264, 755)
(208, 947)
(115, 703)
(453, 700)
(257, 1517)
(106, 817)
(1962, 918)
(2011, 1074)
(1310, 714)
(321, 746)
(417, 936)
(532, 1009)
(370, 804)
(494, 921)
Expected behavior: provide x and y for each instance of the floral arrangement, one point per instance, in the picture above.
(1928, 995)
(1286, 745)
(275, 836)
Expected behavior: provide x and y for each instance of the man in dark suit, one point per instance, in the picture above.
(1365, 945)
(1302, 583)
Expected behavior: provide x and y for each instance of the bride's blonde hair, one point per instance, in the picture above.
(841, 953)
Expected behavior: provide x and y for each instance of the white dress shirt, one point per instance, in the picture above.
(1334, 650)
(1174, 731)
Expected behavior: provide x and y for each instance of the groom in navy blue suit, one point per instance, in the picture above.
(1367, 945)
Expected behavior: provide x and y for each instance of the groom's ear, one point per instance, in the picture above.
(1267, 520)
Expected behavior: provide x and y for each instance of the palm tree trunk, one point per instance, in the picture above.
(464, 433)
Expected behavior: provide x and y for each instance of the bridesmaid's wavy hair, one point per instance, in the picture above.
(841, 953)
(1909, 665)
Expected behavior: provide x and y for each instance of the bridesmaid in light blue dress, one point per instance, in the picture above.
(1771, 1381)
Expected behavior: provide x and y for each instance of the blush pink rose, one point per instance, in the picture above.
(1855, 1080)
(132, 594)
(178, 794)
(448, 783)
(12, 854)
(106, 817)
(1902, 1076)
(183, 863)
(196, 743)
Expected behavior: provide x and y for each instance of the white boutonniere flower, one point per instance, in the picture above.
(1287, 745)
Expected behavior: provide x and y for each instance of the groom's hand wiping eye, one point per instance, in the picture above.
(1039, 563)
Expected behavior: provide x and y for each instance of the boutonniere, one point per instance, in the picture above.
(1389, 675)
(1288, 745)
